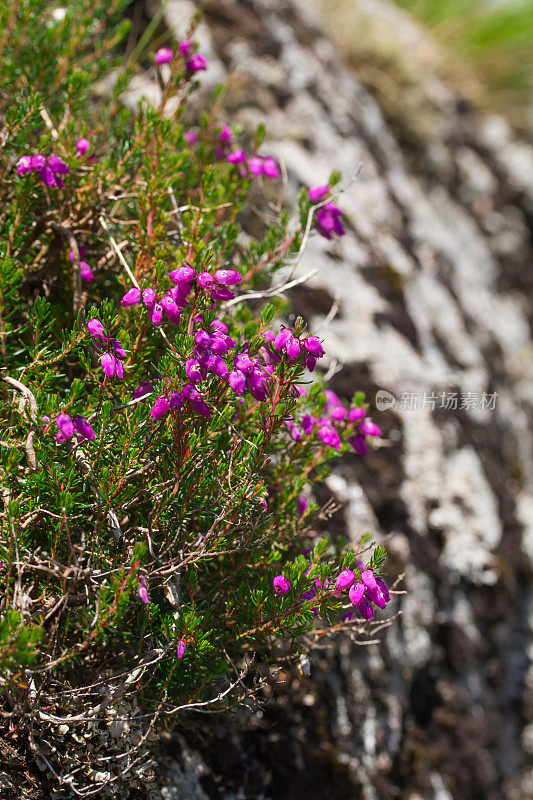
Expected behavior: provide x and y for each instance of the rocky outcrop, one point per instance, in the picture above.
(427, 298)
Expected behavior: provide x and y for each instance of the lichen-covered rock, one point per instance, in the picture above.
(427, 298)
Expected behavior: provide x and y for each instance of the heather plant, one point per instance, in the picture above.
(162, 426)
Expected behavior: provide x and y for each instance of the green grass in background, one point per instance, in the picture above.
(492, 37)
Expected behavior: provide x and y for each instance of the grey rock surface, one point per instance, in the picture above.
(432, 292)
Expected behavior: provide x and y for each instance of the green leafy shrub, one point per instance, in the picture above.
(159, 430)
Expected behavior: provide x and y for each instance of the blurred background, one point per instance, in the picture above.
(425, 304)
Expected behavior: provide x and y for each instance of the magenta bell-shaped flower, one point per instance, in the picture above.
(161, 407)
(318, 193)
(163, 56)
(83, 146)
(281, 339)
(196, 63)
(182, 647)
(227, 277)
(24, 165)
(313, 346)
(356, 593)
(236, 157)
(131, 298)
(270, 168)
(82, 429)
(96, 329)
(65, 425)
(237, 381)
(281, 584)
(345, 579)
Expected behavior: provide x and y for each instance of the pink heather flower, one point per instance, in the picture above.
(255, 165)
(318, 193)
(202, 338)
(164, 55)
(220, 293)
(337, 414)
(185, 47)
(118, 349)
(193, 371)
(293, 349)
(309, 362)
(329, 436)
(170, 308)
(281, 584)
(24, 165)
(369, 428)
(176, 400)
(196, 63)
(182, 275)
(257, 385)
(345, 579)
(270, 168)
(205, 280)
(237, 381)
(356, 593)
(328, 221)
(58, 166)
(368, 578)
(161, 407)
(148, 296)
(358, 443)
(96, 329)
(301, 505)
(365, 609)
(83, 146)
(38, 162)
(142, 590)
(355, 414)
(218, 366)
(313, 346)
(243, 362)
(308, 423)
(131, 298)
(236, 157)
(224, 135)
(218, 326)
(201, 408)
(111, 366)
(191, 137)
(48, 178)
(86, 272)
(82, 429)
(331, 398)
(281, 339)
(219, 346)
(227, 277)
(156, 314)
(182, 646)
(143, 390)
(65, 425)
